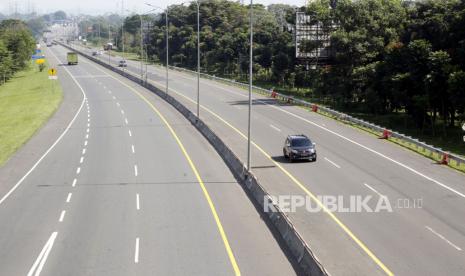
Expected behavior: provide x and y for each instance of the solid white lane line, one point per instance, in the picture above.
(443, 238)
(40, 261)
(374, 190)
(74, 182)
(132, 147)
(82, 160)
(56, 141)
(275, 128)
(137, 202)
(126, 121)
(136, 253)
(68, 199)
(62, 216)
(135, 170)
(78, 170)
(85, 143)
(370, 150)
(351, 141)
(334, 164)
(130, 133)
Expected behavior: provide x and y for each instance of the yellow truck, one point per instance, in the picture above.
(72, 58)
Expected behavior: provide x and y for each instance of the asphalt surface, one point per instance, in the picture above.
(130, 188)
(423, 235)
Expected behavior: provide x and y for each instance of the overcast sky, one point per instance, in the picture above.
(100, 6)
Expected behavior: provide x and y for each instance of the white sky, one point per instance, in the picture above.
(101, 6)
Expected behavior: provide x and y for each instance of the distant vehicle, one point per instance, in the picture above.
(49, 44)
(297, 147)
(108, 46)
(54, 42)
(72, 58)
(122, 63)
(94, 53)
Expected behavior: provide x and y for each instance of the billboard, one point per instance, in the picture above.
(308, 30)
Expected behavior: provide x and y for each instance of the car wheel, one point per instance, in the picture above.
(284, 153)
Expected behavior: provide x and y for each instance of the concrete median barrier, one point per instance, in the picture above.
(290, 237)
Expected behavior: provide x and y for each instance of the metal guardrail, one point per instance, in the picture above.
(411, 143)
(437, 154)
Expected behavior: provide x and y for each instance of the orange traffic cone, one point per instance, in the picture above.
(445, 159)
(386, 134)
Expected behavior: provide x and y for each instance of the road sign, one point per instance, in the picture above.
(40, 61)
(37, 56)
(52, 72)
(52, 77)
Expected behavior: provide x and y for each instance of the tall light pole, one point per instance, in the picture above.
(167, 40)
(250, 87)
(109, 39)
(141, 45)
(167, 48)
(122, 26)
(198, 58)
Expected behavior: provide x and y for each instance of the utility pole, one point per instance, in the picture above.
(122, 27)
(249, 130)
(167, 48)
(198, 59)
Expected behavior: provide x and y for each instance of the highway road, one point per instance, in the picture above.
(423, 235)
(119, 183)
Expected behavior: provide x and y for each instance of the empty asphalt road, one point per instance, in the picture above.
(127, 186)
(423, 235)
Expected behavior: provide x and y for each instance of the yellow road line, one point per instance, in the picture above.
(232, 259)
(295, 180)
(300, 185)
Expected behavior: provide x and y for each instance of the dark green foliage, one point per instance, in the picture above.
(389, 56)
(16, 47)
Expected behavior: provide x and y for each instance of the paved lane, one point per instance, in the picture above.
(408, 241)
(117, 196)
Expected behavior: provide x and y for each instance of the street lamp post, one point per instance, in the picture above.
(167, 48)
(167, 39)
(141, 50)
(198, 58)
(250, 87)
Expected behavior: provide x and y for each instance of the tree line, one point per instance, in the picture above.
(388, 56)
(16, 47)
(392, 56)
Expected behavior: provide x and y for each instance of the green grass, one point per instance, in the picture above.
(27, 101)
(126, 55)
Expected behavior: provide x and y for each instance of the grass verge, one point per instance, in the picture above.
(27, 101)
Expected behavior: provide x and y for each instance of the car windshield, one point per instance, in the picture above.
(300, 142)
